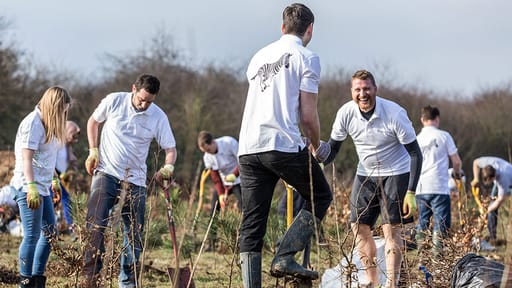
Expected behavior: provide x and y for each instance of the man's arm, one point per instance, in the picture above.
(456, 163)
(496, 203)
(476, 173)
(309, 117)
(170, 156)
(92, 160)
(93, 128)
(335, 148)
(414, 151)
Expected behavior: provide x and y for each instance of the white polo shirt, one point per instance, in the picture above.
(126, 136)
(31, 135)
(277, 73)
(436, 146)
(225, 160)
(503, 173)
(379, 141)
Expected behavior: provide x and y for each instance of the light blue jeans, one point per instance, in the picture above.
(105, 190)
(38, 229)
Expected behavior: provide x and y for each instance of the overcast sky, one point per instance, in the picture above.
(455, 46)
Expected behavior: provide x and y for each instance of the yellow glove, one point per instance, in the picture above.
(57, 192)
(230, 178)
(33, 199)
(409, 205)
(222, 201)
(166, 171)
(67, 176)
(92, 160)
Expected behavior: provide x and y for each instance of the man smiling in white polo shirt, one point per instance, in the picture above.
(388, 171)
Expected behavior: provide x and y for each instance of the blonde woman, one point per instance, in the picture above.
(39, 137)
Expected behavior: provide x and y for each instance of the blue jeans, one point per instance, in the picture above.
(492, 223)
(105, 190)
(38, 229)
(439, 207)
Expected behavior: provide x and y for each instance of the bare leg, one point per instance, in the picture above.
(393, 253)
(367, 251)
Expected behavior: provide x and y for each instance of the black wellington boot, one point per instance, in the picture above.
(39, 281)
(26, 282)
(295, 239)
(251, 269)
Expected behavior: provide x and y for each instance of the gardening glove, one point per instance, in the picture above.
(457, 176)
(33, 199)
(57, 192)
(67, 176)
(164, 174)
(474, 182)
(222, 201)
(409, 205)
(322, 152)
(92, 160)
(230, 178)
(306, 141)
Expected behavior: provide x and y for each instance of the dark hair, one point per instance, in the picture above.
(488, 172)
(364, 75)
(296, 19)
(429, 113)
(204, 137)
(147, 82)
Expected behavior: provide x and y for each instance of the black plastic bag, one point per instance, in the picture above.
(473, 271)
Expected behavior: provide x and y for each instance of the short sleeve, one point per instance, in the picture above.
(101, 112)
(339, 132)
(311, 76)
(404, 129)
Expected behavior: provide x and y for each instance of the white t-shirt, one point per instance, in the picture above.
(436, 146)
(31, 135)
(503, 173)
(225, 160)
(62, 159)
(126, 136)
(379, 141)
(277, 73)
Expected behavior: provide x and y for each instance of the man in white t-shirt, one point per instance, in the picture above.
(283, 85)
(432, 192)
(498, 173)
(221, 157)
(130, 122)
(387, 173)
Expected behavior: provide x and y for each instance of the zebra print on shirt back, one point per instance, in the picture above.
(269, 70)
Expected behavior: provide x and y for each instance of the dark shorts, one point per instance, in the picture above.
(374, 196)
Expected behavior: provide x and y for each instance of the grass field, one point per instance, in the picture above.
(221, 268)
